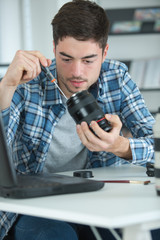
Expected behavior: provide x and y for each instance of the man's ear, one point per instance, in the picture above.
(105, 52)
(54, 48)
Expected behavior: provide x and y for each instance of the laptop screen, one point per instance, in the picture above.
(7, 173)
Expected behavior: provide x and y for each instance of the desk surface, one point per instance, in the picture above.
(115, 205)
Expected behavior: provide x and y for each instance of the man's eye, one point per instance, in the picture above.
(88, 61)
(66, 59)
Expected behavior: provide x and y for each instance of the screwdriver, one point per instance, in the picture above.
(51, 78)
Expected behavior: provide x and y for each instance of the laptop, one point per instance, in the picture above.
(18, 186)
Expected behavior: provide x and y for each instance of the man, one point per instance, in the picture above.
(39, 125)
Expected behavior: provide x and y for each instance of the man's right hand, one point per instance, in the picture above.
(24, 67)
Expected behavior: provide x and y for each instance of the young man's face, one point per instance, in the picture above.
(78, 64)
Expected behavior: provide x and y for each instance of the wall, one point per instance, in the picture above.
(26, 24)
(10, 29)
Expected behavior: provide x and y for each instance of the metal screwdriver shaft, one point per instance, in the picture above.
(51, 78)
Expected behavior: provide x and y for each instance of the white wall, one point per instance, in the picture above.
(42, 13)
(10, 29)
(26, 24)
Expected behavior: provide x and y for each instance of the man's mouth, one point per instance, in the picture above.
(77, 83)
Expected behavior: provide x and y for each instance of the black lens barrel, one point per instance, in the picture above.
(82, 106)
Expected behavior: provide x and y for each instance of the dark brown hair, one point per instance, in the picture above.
(82, 20)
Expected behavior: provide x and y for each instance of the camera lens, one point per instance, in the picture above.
(82, 106)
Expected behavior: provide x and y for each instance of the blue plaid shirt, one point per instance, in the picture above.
(37, 107)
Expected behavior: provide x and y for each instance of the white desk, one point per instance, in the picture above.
(133, 207)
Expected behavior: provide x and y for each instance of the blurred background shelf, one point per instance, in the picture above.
(134, 20)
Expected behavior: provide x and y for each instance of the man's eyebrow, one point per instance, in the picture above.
(88, 56)
(65, 55)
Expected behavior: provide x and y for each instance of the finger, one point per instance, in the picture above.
(26, 64)
(92, 142)
(99, 131)
(90, 136)
(81, 131)
(42, 59)
(81, 134)
(31, 60)
(40, 56)
(49, 61)
(37, 58)
(115, 122)
(31, 71)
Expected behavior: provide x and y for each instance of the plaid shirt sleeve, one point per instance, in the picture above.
(120, 95)
(136, 116)
(6, 221)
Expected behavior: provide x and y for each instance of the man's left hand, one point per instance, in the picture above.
(105, 141)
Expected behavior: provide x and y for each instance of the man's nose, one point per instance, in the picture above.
(77, 68)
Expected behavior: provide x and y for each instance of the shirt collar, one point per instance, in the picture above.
(98, 89)
(102, 86)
